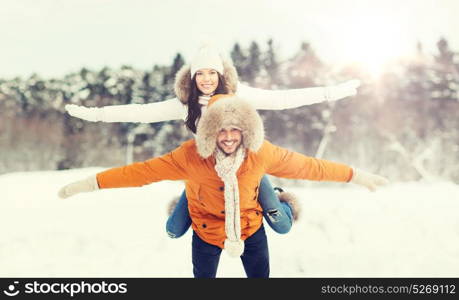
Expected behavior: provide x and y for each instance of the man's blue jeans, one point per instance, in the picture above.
(255, 257)
(278, 214)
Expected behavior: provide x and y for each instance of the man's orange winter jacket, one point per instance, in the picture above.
(204, 189)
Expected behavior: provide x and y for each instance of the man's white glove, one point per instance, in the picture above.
(342, 90)
(93, 114)
(371, 181)
(86, 185)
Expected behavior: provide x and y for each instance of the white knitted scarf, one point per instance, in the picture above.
(204, 101)
(226, 167)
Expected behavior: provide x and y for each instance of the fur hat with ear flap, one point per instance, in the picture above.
(207, 57)
(224, 111)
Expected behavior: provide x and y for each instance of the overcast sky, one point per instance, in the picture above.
(54, 37)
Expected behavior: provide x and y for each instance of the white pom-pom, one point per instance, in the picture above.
(205, 41)
(234, 248)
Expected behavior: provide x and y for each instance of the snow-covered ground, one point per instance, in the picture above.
(409, 229)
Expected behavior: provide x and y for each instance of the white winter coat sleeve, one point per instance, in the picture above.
(292, 98)
(166, 110)
(173, 109)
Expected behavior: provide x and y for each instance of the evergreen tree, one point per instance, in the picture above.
(254, 63)
(446, 81)
(36, 91)
(239, 59)
(445, 107)
(305, 68)
(144, 90)
(169, 76)
(102, 88)
(271, 66)
(176, 65)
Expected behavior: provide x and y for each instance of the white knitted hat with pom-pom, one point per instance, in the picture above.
(207, 57)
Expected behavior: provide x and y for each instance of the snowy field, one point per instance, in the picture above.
(404, 230)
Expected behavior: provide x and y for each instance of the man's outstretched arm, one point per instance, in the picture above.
(289, 164)
(171, 166)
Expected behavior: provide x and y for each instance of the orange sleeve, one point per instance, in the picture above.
(289, 164)
(171, 166)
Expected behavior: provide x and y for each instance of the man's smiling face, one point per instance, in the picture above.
(229, 139)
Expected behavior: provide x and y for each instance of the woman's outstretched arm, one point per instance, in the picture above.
(285, 99)
(166, 110)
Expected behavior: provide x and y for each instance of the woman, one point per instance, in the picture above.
(209, 74)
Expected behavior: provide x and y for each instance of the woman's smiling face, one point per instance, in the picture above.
(207, 81)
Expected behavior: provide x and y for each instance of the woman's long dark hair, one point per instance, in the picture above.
(194, 108)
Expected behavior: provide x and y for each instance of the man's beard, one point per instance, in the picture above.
(228, 154)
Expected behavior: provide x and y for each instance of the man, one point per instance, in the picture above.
(223, 167)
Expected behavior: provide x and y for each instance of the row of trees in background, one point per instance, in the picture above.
(403, 124)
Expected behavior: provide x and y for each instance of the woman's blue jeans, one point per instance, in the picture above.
(277, 214)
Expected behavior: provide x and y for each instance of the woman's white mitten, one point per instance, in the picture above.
(93, 114)
(342, 90)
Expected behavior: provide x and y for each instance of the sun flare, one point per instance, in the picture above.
(373, 42)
